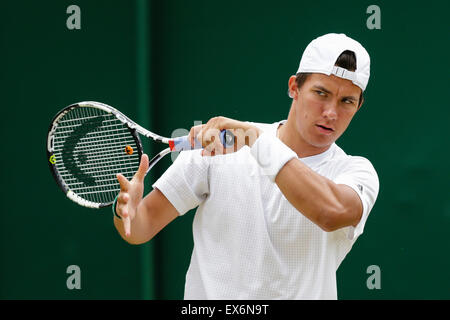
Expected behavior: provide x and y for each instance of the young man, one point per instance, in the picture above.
(280, 210)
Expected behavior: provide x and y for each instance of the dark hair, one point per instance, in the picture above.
(346, 60)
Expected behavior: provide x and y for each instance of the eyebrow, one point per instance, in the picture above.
(321, 88)
(350, 98)
(328, 91)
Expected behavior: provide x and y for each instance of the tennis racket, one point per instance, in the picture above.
(89, 143)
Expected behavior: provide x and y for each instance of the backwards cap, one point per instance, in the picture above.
(321, 55)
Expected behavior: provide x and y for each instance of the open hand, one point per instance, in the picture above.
(130, 195)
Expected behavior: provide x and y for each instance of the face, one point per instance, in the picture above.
(323, 108)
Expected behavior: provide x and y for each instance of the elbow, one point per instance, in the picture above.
(327, 225)
(332, 219)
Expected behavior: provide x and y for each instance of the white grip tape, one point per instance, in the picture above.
(271, 154)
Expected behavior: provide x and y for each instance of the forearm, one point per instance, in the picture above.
(329, 205)
(316, 197)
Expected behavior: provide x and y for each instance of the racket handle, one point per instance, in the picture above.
(183, 143)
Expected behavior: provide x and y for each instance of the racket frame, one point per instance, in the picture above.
(175, 144)
(131, 126)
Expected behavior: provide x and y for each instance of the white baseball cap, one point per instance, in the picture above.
(321, 55)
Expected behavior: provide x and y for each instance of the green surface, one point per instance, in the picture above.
(167, 64)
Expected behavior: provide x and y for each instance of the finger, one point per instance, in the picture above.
(195, 130)
(206, 136)
(218, 147)
(191, 137)
(123, 198)
(206, 153)
(143, 167)
(122, 209)
(239, 139)
(210, 138)
(124, 183)
(211, 135)
(199, 138)
(127, 225)
(229, 150)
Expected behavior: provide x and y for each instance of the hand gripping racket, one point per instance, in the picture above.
(89, 143)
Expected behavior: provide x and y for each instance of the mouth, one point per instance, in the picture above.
(325, 128)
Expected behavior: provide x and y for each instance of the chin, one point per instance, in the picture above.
(321, 143)
(318, 141)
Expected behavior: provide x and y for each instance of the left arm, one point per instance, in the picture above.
(329, 205)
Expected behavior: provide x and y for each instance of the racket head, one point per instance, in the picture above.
(88, 144)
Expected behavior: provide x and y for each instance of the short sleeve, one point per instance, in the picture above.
(360, 175)
(185, 182)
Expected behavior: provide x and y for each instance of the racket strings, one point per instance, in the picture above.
(89, 148)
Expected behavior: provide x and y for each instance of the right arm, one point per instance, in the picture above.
(141, 219)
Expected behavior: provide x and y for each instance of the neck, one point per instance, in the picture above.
(290, 136)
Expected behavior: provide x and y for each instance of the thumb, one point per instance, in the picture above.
(143, 167)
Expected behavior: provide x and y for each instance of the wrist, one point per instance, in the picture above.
(271, 154)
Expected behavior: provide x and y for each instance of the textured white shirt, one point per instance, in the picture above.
(249, 241)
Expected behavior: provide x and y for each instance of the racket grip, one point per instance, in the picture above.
(183, 143)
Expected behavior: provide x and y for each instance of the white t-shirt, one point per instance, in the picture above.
(249, 241)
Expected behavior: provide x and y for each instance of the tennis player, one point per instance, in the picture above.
(278, 212)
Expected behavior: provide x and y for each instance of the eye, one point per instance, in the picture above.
(320, 93)
(348, 101)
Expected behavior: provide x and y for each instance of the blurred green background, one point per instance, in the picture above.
(169, 63)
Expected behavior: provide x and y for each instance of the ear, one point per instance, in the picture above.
(292, 84)
(361, 103)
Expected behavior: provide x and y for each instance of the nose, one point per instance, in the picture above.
(329, 111)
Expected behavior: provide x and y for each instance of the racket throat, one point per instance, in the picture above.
(171, 145)
(156, 158)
